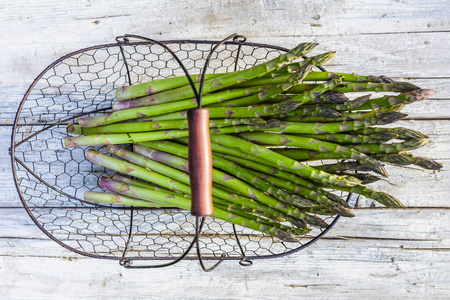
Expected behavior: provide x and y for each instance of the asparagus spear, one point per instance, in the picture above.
(342, 166)
(404, 98)
(150, 112)
(400, 132)
(258, 110)
(390, 117)
(381, 197)
(144, 184)
(307, 155)
(282, 86)
(380, 118)
(350, 105)
(330, 97)
(157, 86)
(403, 158)
(345, 138)
(376, 151)
(209, 98)
(311, 191)
(364, 177)
(135, 137)
(318, 198)
(281, 76)
(348, 87)
(117, 199)
(281, 161)
(229, 181)
(313, 144)
(231, 168)
(164, 199)
(407, 145)
(312, 110)
(161, 125)
(167, 182)
(225, 80)
(302, 186)
(250, 100)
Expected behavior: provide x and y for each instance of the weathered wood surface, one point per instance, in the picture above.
(406, 259)
(378, 254)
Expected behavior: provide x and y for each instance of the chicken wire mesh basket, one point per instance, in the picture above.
(51, 179)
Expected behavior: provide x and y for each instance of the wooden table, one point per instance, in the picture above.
(381, 253)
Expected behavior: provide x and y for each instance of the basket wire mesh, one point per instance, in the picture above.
(51, 179)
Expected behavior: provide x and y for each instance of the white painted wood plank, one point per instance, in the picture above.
(414, 224)
(395, 253)
(384, 275)
(255, 18)
(401, 252)
(401, 55)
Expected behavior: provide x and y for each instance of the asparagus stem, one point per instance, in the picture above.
(403, 158)
(242, 210)
(234, 183)
(230, 168)
(225, 80)
(278, 87)
(318, 198)
(302, 186)
(168, 183)
(312, 110)
(209, 98)
(345, 138)
(400, 132)
(135, 137)
(313, 144)
(348, 87)
(343, 166)
(281, 161)
(388, 101)
(381, 197)
(407, 145)
(312, 76)
(157, 86)
(307, 155)
(117, 199)
(164, 199)
(161, 125)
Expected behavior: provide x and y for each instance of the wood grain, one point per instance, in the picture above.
(381, 253)
(406, 256)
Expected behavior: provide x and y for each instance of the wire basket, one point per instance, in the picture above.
(51, 179)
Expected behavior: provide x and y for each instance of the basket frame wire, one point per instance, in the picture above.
(123, 260)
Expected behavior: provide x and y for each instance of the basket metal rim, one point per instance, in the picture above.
(87, 254)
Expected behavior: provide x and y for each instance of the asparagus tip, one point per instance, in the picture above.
(345, 212)
(384, 118)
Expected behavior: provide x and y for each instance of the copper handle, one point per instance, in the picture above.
(200, 162)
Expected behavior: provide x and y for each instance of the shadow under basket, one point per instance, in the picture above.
(51, 179)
